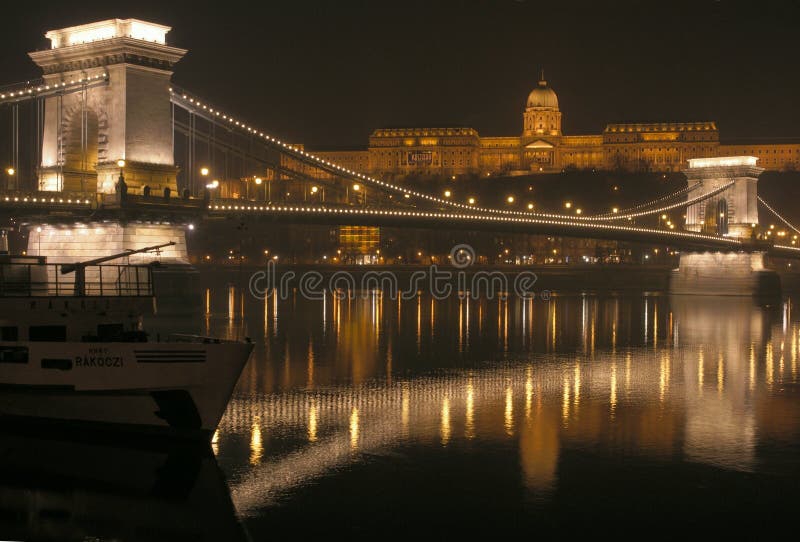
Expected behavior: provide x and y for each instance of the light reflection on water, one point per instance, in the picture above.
(335, 383)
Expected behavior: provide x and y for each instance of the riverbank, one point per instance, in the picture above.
(562, 278)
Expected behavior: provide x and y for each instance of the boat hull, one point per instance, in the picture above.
(176, 389)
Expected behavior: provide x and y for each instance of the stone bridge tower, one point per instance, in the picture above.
(732, 212)
(126, 117)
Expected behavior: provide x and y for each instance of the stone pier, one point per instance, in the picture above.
(175, 279)
(81, 242)
(721, 273)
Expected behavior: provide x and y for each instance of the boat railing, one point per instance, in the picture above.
(47, 280)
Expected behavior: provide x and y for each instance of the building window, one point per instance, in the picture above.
(9, 333)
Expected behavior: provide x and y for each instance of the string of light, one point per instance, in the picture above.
(773, 211)
(33, 91)
(666, 207)
(326, 165)
(635, 208)
(301, 209)
(38, 199)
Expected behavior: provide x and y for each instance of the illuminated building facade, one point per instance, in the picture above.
(543, 148)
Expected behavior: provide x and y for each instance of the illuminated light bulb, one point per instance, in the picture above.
(568, 204)
(121, 162)
(258, 180)
(203, 171)
(510, 199)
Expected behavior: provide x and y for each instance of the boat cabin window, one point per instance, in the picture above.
(109, 332)
(9, 333)
(48, 333)
(13, 354)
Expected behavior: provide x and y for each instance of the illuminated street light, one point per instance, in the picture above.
(471, 201)
(568, 204)
(259, 180)
(447, 193)
(615, 210)
(11, 171)
(356, 187)
(314, 189)
(510, 199)
(530, 206)
(578, 211)
(203, 171)
(121, 163)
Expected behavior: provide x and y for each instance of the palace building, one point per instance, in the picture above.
(543, 148)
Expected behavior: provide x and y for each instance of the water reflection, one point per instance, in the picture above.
(679, 381)
(59, 490)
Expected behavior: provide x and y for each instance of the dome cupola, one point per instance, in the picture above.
(543, 96)
(542, 116)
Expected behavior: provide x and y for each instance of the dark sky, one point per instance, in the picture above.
(328, 73)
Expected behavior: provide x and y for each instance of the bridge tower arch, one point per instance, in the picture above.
(734, 210)
(124, 116)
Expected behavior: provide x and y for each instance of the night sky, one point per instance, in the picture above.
(327, 73)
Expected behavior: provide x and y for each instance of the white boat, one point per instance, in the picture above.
(73, 351)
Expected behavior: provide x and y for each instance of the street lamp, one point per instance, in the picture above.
(357, 188)
(471, 201)
(530, 206)
(10, 172)
(447, 193)
(213, 185)
(568, 204)
(204, 171)
(122, 188)
(510, 199)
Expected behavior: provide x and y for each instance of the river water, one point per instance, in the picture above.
(609, 415)
(510, 416)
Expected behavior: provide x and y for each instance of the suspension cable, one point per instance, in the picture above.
(635, 208)
(773, 211)
(189, 103)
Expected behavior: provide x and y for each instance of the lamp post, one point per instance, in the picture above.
(122, 188)
(258, 181)
(213, 185)
(204, 171)
(10, 171)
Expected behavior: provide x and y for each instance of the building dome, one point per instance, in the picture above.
(543, 96)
